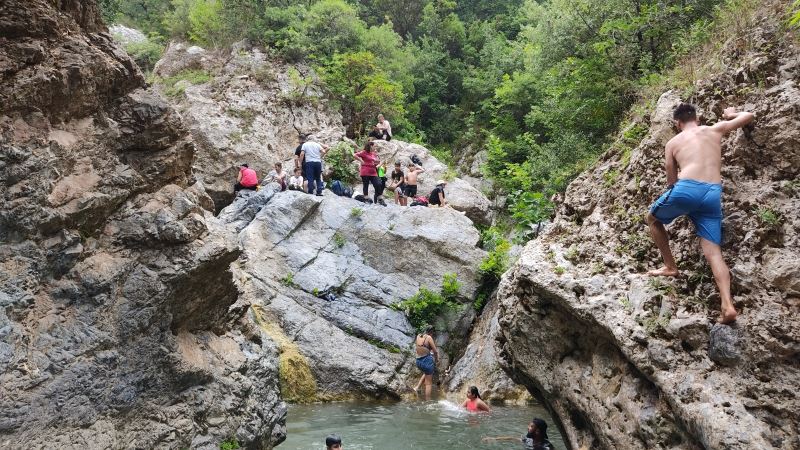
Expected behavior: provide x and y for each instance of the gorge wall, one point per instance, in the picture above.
(116, 316)
(631, 362)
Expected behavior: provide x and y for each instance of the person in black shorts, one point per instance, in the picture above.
(411, 180)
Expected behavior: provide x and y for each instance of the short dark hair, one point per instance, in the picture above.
(331, 440)
(685, 112)
(245, 165)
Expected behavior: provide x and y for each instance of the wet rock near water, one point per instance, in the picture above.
(628, 361)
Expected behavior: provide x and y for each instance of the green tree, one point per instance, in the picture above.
(332, 26)
(206, 23)
(358, 85)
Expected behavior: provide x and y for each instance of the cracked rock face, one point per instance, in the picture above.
(629, 362)
(298, 247)
(250, 110)
(117, 304)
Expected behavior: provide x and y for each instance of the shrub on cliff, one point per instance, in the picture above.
(426, 306)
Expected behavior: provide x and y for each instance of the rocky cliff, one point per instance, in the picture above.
(116, 298)
(242, 106)
(631, 362)
(322, 274)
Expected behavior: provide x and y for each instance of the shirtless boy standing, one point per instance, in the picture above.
(697, 151)
(411, 180)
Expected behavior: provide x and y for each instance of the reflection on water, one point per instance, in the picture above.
(440, 425)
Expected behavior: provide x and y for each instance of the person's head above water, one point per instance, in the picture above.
(333, 441)
(683, 114)
(472, 393)
(537, 429)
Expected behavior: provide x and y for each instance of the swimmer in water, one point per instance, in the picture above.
(536, 439)
(473, 403)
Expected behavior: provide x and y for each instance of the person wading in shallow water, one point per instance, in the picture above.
(696, 192)
(474, 403)
(427, 357)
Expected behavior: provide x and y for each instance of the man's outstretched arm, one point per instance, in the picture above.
(733, 120)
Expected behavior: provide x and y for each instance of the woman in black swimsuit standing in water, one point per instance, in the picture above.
(427, 357)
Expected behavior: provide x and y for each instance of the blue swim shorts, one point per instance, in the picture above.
(701, 201)
(426, 364)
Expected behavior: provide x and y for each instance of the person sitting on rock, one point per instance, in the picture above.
(333, 442)
(312, 153)
(397, 184)
(375, 133)
(427, 357)
(382, 175)
(247, 179)
(696, 192)
(474, 403)
(384, 127)
(535, 439)
(277, 175)
(368, 171)
(436, 197)
(296, 181)
(411, 180)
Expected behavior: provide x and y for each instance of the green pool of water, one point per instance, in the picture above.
(434, 425)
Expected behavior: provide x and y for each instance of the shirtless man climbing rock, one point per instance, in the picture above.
(696, 192)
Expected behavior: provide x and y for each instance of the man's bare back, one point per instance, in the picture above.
(697, 149)
(411, 175)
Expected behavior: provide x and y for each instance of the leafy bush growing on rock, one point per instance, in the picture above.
(425, 306)
(492, 267)
(422, 308)
(339, 161)
(450, 287)
(230, 444)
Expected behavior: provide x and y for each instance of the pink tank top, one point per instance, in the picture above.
(472, 405)
(249, 177)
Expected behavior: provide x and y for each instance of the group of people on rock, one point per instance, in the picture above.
(307, 174)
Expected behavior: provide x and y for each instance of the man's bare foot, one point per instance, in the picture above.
(663, 272)
(728, 316)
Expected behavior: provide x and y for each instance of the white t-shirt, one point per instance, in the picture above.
(313, 152)
(296, 181)
(386, 126)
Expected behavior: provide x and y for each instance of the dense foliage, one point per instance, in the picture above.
(538, 84)
(424, 307)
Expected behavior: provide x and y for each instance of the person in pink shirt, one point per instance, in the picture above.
(369, 169)
(247, 179)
